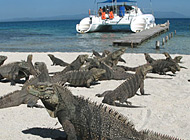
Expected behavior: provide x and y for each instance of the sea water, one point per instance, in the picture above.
(61, 36)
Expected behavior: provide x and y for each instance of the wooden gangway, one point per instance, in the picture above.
(138, 38)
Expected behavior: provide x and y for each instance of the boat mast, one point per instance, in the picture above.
(115, 5)
(151, 7)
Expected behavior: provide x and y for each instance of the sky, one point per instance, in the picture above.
(47, 8)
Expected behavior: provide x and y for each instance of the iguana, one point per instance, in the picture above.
(177, 59)
(161, 66)
(85, 120)
(2, 59)
(82, 77)
(57, 61)
(113, 73)
(16, 70)
(128, 88)
(113, 58)
(107, 52)
(75, 65)
(19, 97)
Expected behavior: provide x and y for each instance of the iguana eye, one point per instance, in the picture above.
(41, 87)
(47, 97)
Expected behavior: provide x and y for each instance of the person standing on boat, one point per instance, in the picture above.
(104, 9)
(104, 13)
(100, 11)
(107, 10)
(111, 16)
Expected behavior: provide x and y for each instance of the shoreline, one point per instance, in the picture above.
(165, 110)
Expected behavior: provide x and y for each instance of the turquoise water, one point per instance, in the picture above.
(61, 36)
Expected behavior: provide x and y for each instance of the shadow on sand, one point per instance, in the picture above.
(54, 134)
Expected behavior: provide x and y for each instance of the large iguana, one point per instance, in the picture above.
(57, 61)
(19, 97)
(176, 59)
(82, 77)
(113, 58)
(16, 70)
(128, 88)
(113, 73)
(2, 59)
(85, 120)
(75, 65)
(161, 66)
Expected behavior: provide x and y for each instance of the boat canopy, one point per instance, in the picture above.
(111, 1)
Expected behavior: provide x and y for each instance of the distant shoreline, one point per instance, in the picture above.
(66, 20)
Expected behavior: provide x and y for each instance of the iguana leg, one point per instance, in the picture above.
(88, 82)
(1, 77)
(26, 78)
(13, 82)
(67, 125)
(173, 70)
(69, 130)
(128, 103)
(13, 79)
(164, 71)
(142, 88)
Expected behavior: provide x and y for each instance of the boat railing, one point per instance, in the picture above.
(120, 13)
(92, 12)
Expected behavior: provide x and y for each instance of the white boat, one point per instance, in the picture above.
(124, 12)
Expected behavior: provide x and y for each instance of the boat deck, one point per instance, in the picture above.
(138, 38)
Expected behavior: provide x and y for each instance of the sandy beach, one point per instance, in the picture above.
(166, 110)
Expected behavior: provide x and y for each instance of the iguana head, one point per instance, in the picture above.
(51, 55)
(40, 66)
(118, 53)
(29, 58)
(106, 52)
(143, 70)
(47, 93)
(148, 58)
(177, 59)
(174, 66)
(83, 58)
(3, 58)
